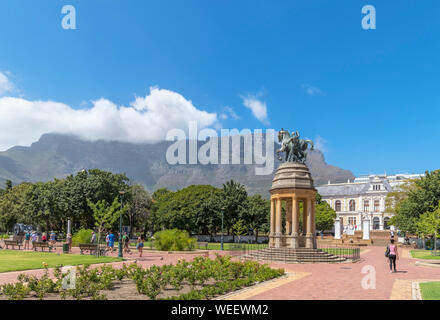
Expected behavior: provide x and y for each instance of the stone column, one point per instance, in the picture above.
(278, 224)
(295, 222)
(305, 205)
(288, 217)
(309, 228)
(313, 222)
(272, 222)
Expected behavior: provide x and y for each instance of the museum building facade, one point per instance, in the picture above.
(363, 198)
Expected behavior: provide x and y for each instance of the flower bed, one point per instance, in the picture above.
(201, 278)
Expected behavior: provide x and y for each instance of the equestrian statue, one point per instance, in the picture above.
(294, 147)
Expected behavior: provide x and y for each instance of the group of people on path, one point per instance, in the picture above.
(110, 242)
(31, 237)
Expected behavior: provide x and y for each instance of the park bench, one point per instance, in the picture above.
(42, 245)
(202, 244)
(12, 243)
(91, 248)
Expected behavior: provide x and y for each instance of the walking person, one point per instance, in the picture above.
(53, 238)
(126, 242)
(140, 245)
(111, 241)
(27, 238)
(93, 239)
(34, 238)
(392, 255)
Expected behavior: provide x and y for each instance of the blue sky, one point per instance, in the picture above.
(371, 97)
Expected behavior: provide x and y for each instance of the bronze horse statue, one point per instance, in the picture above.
(294, 147)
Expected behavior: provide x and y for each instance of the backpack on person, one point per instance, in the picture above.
(387, 252)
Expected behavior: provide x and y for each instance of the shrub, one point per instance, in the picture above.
(82, 236)
(173, 240)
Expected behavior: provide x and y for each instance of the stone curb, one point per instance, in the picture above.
(416, 294)
(261, 284)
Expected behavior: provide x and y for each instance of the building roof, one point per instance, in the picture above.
(361, 185)
(344, 189)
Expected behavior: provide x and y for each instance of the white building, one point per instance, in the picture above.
(364, 198)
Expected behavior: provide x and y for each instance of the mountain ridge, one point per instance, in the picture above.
(57, 156)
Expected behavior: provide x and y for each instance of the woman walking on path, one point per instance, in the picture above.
(140, 245)
(393, 255)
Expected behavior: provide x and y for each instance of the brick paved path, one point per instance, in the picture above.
(343, 281)
(310, 281)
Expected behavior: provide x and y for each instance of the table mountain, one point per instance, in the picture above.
(56, 156)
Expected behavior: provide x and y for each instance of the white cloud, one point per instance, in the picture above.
(320, 143)
(147, 119)
(5, 84)
(228, 111)
(258, 107)
(311, 90)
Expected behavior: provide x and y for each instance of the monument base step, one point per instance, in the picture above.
(295, 255)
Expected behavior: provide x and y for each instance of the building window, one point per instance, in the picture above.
(366, 205)
(376, 187)
(352, 205)
(338, 205)
(352, 221)
(376, 223)
(386, 220)
(376, 206)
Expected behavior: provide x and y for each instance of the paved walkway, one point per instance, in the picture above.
(311, 281)
(344, 281)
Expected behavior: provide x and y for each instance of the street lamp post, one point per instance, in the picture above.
(120, 255)
(223, 213)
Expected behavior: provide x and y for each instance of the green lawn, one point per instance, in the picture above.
(340, 251)
(15, 260)
(423, 254)
(430, 290)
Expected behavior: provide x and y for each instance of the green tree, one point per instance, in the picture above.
(257, 214)
(428, 224)
(105, 215)
(14, 205)
(234, 197)
(324, 216)
(416, 198)
(186, 209)
(239, 229)
(138, 207)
